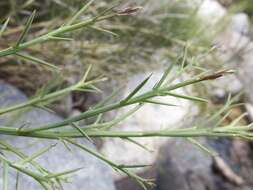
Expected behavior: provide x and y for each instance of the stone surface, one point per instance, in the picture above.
(245, 73)
(229, 84)
(240, 23)
(181, 165)
(95, 174)
(234, 49)
(210, 11)
(249, 108)
(234, 41)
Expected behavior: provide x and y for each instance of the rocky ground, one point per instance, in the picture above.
(176, 163)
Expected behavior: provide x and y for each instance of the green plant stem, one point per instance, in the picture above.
(134, 100)
(48, 97)
(243, 131)
(23, 156)
(37, 100)
(55, 33)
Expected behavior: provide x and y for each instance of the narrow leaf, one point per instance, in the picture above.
(26, 29)
(136, 89)
(5, 175)
(163, 78)
(103, 30)
(36, 61)
(56, 38)
(138, 144)
(134, 166)
(220, 121)
(4, 26)
(107, 99)
(17, 181)
(202, 147)
(224, 109)
(92, 152)
(237, 120)
(81, 131)
(27, 3)
(192, 98)
(158, 103)
(85, 90)
(121, 118)
(35, 155)
(78, 14)
(55, 175)
(86, 74)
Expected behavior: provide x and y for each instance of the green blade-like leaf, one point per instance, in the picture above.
(35, 155)
(37, 176)
(136, 89)
(23, 156)
(202, 147)
(163, 78)
(63, 173)
(237, 120)
(5, 175)
(81, 131)
(103, 30)
(192, 98)
(27, 3)
(56, 38)
(26, 29)
(158, 103)
(78, 14)
(138, 144)
(85, 76)
(4, 26)
(92, 152)
(107, 99)
(121, 118)
(17, 181)
(134, 166)
(37, 61)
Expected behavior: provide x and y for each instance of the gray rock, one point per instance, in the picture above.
(249, 108)
(95, 175)
(183, 166)
(210, 11)
(245, 73)
(234, 49)
(229, 84)
(240, 23)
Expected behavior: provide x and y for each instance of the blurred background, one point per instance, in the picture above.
(215, 34)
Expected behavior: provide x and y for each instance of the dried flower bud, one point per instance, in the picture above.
(217, 75)
(129, 10)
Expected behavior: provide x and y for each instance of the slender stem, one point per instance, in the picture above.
(48, 36)
(23, 156)
(187, 132)
(37, 100)
(51, 96)
(134, 100)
